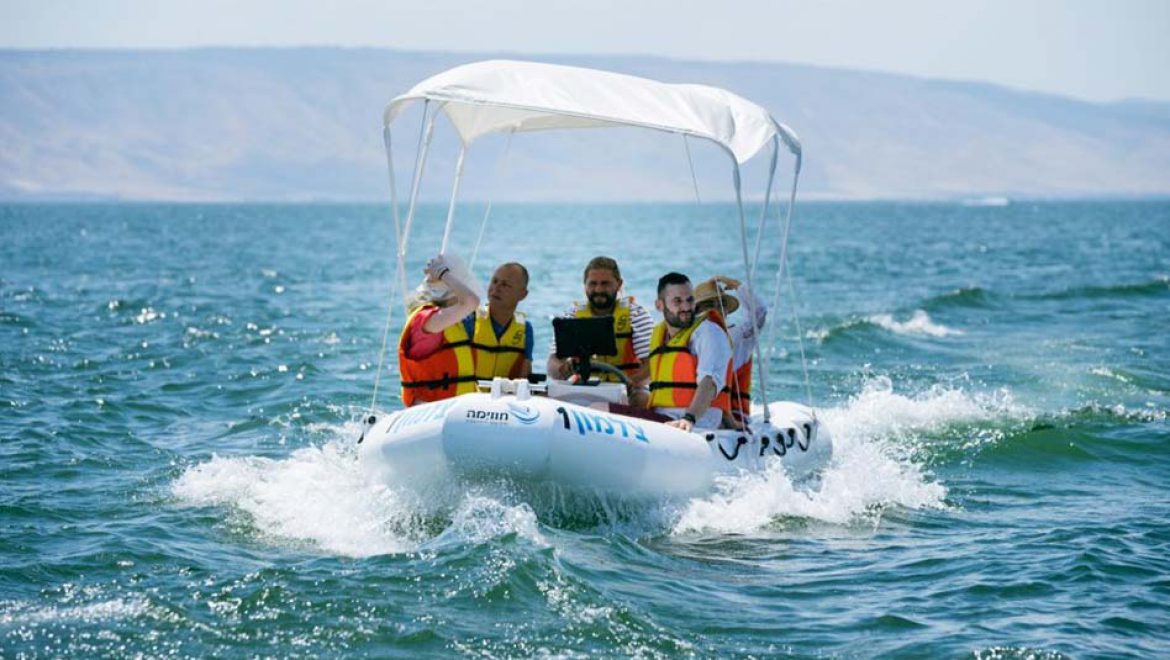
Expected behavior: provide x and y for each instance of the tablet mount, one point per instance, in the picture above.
(584, 338)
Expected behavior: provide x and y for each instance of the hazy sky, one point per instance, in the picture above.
(1098, 50)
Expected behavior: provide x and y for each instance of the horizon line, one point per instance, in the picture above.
(506, 54)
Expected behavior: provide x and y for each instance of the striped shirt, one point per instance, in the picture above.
(640, 324)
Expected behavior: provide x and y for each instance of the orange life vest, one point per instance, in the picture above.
(502, 357)
(741, 391)
(673, 367)
(448, 372)
(623, 334)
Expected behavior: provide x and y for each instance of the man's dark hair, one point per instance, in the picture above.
(523, 270)
(671, 278)
(602, 263)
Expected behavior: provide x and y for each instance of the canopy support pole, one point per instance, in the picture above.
(782, 271)
(785, 271)
(800, 340)
(454, 195)
(691, 163)
(400, 234)
(500, 165)
(788, 219)
(762, 368)
(747, 266)
(420, 162)
(767, 199)
(785, 226)
(386, 140)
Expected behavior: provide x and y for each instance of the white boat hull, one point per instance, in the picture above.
(539, 439)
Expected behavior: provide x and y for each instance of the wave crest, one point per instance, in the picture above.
(316, 495)
(919, 323)
(321, 496)
(881, 443)
(1158, 286)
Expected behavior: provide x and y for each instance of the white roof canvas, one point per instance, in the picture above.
(501, 96)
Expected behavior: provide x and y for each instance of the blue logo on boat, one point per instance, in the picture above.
(524, 414)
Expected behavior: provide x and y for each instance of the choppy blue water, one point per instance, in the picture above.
(179, 386)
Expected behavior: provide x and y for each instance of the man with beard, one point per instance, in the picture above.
(690, 359)
(631, 324)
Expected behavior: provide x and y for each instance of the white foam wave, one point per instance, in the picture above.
(919, 323)
(880, 412)
(480, 518)
(320, 495)
(877, 436)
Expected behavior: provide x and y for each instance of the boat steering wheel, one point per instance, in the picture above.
(610, 369)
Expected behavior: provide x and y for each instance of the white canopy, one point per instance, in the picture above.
(504, 95)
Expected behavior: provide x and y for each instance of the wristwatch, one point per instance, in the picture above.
(689, 417)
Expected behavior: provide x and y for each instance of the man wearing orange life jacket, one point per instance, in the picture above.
(632, 328)
(690, 359)
(435, 355)
(501, 338)
(713, 294)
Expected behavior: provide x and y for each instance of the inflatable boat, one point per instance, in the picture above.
(562, 434)
(569, 434)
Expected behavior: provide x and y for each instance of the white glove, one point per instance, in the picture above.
(436, 268)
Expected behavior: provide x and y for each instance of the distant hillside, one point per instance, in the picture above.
(297, 124)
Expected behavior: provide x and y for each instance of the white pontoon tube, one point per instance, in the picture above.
(512, 96)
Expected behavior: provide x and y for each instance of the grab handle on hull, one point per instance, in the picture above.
(369, 424)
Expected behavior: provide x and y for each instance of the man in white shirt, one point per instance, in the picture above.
(714, 294)
(690, 359)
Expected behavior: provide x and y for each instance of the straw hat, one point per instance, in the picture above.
(717, 288)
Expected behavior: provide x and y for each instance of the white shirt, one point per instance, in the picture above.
(745, 336)
(710, 345)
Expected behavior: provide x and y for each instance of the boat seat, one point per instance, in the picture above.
(585, 395)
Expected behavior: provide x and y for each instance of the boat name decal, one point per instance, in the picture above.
(487, 416)
(601, 424)
(518, 412)
(788, 438)
(420, 415)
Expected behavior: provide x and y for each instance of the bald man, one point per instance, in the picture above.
(501, 337)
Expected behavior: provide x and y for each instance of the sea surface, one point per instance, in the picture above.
(180, 390)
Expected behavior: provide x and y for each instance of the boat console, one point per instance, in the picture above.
(562, 390)
(579, 340)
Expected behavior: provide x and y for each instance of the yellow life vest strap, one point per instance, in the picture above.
(446, 381)
(497, 349)
(664, 384)
(451, 345)
(667, 348)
